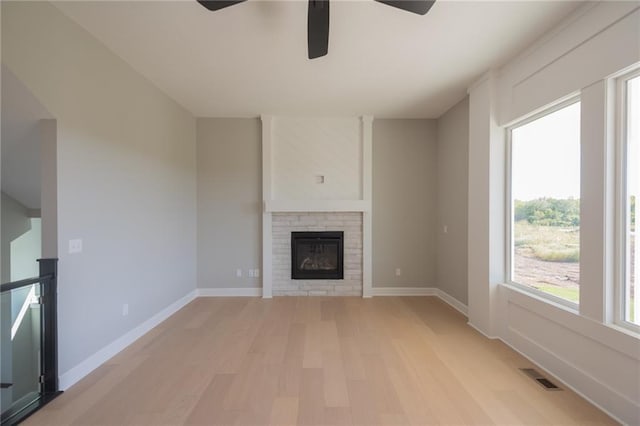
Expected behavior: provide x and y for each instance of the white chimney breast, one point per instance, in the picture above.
(303, 146)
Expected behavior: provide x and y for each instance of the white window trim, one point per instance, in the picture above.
(509, 205)
(620, 207)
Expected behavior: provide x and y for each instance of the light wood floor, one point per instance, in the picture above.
(324, 361)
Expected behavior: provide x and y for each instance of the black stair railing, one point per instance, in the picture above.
(29, 344)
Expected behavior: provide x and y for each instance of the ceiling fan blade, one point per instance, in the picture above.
(218, 4)
(318, 28)
(421, 7)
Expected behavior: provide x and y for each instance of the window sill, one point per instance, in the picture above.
(558, 302)
(610, 335)
(631, 330)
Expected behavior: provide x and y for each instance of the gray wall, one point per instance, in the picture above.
(49, 187)
(126, 179)
(404, 203)
(229, 201)
(452, 201)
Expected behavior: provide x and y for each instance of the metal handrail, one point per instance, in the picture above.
(23, 283)
(48, 282)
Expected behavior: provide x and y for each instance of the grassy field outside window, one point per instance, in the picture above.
(545, 209)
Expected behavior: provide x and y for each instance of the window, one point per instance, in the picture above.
(629, 95)
(545, 203)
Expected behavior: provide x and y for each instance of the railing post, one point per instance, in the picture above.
(49, 291)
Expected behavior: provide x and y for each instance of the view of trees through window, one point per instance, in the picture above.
(545, 194)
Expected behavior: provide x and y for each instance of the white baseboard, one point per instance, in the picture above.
(76, 373)
(479, 330)
(404, 291)
(566, 372)
(421, 291)
(229, 292)
(540, 356)
(453, 302)
(72, 376)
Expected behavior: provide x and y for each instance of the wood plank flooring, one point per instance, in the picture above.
(315, 361)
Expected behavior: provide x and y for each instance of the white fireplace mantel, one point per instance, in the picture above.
(302, 150)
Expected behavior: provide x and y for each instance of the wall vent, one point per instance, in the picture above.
(540, 379)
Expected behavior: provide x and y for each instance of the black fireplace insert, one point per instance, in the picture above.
(317, 255)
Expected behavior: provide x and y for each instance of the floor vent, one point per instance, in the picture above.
(540, 379)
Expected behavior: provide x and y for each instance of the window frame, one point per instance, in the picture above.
(509, 222)
(620, 208)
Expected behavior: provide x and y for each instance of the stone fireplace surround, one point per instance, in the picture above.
(297, 155)
(285, 223)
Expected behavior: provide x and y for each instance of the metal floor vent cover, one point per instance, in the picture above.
(540, 379)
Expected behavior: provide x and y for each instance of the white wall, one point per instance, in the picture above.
(126, 179)
(25, 252)
(304, 148)
(229, 201)
(452, 199)
(20, 241)
(404, 203)
(563, 62)
(582, 348)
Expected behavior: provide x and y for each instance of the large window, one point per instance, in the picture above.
(545, 203)
(629, 93)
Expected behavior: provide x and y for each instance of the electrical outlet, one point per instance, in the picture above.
(75, 246)
(125, 309)
(256, 273)
(239, 273)
(250, 273)
(398, 272)
(445, 229)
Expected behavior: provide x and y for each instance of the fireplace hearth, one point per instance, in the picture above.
(317, 255)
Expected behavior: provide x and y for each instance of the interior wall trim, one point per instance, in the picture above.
(75, 374)
(229, 292)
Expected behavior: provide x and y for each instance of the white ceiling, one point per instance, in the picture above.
(251, 58)
(21, 112)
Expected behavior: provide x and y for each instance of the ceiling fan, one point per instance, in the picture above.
(318, 18)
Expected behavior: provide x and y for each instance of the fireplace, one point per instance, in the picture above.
(317, 255)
